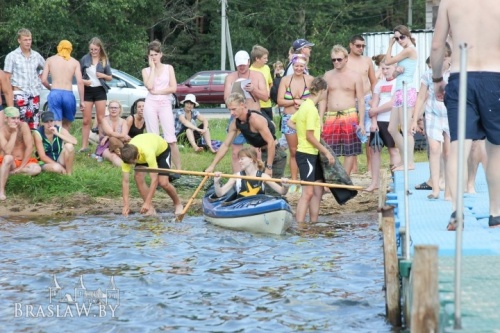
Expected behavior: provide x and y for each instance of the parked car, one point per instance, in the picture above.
(123, 87)
(207, 86)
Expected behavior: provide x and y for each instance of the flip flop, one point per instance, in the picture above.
(423, 186)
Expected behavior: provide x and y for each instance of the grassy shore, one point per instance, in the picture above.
(102, 180)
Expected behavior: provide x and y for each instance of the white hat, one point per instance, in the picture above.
(191, 98)
(241, 58)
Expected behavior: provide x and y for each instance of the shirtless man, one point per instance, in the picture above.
(6, 89)
(16, 146)
(345, 86)
(364, 66)
(255, 91)
(467, 20)
(62, 68)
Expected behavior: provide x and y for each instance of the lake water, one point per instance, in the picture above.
(115, 274)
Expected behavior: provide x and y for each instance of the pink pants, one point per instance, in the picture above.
(161, 110)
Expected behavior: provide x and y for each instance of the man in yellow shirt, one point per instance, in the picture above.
(147, 150)
(259, 57)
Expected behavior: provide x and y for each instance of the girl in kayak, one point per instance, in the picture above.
(250, 166)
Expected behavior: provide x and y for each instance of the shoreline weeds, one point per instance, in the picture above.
(84, 205)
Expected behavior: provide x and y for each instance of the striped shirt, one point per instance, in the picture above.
(24, 71)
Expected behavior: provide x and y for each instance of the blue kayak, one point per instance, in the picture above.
(259, 213)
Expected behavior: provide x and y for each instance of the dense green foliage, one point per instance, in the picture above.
(190, 29)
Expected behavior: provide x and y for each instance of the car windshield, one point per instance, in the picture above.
(128, 77)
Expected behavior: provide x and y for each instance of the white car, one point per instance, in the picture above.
(123, 87)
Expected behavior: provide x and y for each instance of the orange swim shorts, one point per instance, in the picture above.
(18, 162)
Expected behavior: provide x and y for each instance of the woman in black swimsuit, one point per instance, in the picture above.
(135, 121)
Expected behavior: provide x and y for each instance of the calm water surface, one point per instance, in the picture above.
(114, 274)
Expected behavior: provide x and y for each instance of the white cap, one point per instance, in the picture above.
(191, 98)
(241, 58)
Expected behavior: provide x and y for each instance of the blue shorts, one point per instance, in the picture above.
(482, 106)
(239, 139)
(63, 104)
(285, 129)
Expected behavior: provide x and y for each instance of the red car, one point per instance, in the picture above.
(207, 86)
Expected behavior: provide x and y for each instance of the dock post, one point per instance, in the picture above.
(392, 291)
(382, 195)
(425, 298)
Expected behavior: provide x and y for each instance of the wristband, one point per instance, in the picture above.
(269, 166)
(437, 80)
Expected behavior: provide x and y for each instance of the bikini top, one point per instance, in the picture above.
(288, 93)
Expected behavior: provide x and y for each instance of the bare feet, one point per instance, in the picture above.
(3, 197)
(198, 149)
(213, 151)
(151, 212)
(178, 209)
(401, 167)
(370, 189)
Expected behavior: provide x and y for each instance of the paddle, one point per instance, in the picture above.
(200, 173)
(179, 217)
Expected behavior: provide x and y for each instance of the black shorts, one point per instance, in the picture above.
(163, 161)
(94, 94)
(383, 131)
(309, 167)
(268, 111)
(182, 137)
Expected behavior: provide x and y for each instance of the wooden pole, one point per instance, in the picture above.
(382, 195)
(392, 291)
(290, 181)
(425, 304)
(181, 215)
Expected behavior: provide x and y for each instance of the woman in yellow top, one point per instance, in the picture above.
(307, 124)
(147, 150)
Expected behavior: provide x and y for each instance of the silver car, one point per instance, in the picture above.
(123, 87)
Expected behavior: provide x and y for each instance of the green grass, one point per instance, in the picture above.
(94, 179)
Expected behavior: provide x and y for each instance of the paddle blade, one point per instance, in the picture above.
(343, 195)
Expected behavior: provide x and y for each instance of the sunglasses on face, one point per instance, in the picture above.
(360, 45)
(402, 37)
(337, 60)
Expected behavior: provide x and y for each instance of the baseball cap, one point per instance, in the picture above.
(11, 112)
(241, 58)
(47, 116)
(300, 43)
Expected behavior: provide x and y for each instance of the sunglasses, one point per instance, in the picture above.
(360, 45)
(337, 59)
(402, 37)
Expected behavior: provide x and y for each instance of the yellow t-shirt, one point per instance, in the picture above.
(269, 81)
(150, 146)
(307, 118)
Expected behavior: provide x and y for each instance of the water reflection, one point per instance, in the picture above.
(192, 276)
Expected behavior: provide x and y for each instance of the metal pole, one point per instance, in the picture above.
(406, 178)
(223, 36)
(462, 100)
(410, 13)
(229, 46)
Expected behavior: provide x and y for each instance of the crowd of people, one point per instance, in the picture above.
(351, 104)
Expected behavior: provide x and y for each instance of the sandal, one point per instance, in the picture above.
(452, 225)
(84, 150)
(494, 222)
(423, 186)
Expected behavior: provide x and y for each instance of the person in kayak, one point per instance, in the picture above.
(250, 166)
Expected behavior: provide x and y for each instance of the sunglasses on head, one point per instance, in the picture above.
(337, 59)
(402, 37)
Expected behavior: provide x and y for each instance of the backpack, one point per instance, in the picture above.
(273, 93)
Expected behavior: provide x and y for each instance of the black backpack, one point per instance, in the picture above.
(273, 93)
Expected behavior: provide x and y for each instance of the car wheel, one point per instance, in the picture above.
(175, 101)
